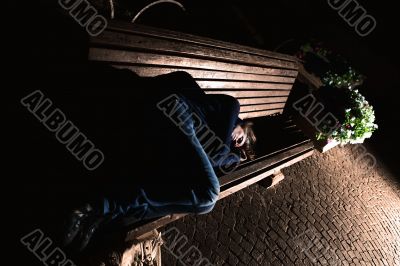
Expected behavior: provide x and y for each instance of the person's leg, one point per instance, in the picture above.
(184, 183)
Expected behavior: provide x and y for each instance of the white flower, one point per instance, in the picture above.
(357, 141)
(367, 135)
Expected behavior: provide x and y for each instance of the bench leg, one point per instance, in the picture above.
(146, 247)
(146, 236)
(272, 180)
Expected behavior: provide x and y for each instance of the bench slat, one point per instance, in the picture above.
(258, 107)
(188, 38)
(250, 93)
(247, 101)
(243, 85)
(151, 71)
(133, 57)
(248, 115)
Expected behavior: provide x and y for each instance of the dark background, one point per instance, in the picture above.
(263, 24)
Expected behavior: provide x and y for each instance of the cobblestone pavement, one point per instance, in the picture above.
(329, 210)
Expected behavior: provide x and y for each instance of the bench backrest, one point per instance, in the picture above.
(259, 79)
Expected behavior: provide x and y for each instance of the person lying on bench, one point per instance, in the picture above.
(184, 136)
(152, 166)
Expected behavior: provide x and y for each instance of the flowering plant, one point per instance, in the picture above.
(315, 48)
(349, 79)
(358, 123)
(333, 69)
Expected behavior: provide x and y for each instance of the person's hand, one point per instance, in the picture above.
(238, 136)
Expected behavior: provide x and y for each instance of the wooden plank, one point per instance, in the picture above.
(207, 84)
(290, 127)
(247, 101)
(126, 41)
(258, 107)
(309, 79)
(250, 94)
(265, 174)
(132, 57)
(184, 37)
(260, 113)
(151, 71)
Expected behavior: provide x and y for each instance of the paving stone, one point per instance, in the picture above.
(236, 237)
(233, 260)
(235, 249)
(247, 246)
(245, 258)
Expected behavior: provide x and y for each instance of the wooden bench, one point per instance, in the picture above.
(260, 80)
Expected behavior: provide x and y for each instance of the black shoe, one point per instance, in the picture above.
(75, 223)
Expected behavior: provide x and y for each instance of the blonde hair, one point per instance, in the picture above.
(247, 150)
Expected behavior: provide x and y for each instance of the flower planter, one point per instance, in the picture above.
(325, 145)
(332, 81)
